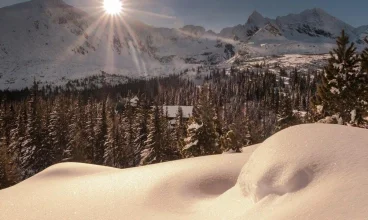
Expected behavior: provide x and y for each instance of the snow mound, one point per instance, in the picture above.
(305, 172)
(309, 172)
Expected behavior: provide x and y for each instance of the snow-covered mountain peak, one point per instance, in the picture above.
(313, 25)
(256, 19)
(315, 16)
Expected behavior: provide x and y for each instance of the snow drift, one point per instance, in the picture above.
(305, 172)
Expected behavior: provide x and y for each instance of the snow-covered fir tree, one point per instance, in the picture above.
(341, 91)
(202, 136)
(140, 129)
(180, 132)
(286, 116)
(158, 148)
(364, 57)
(34, 156)
(113, 155)
(90, 122)
(76, 135)
(129, 133)
(100, 131)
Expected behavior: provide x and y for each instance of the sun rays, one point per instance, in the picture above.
(107, 23)
(113, 7)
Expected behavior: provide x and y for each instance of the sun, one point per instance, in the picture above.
(113, 7)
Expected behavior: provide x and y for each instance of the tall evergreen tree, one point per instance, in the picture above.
(35, 157)
(140, 128)
(100, 131)
(90, 121)
(3, 148)
(179, 130)
(286, 117)
(17, 135)
(202, 136)
(56, 133)
(4, 181)
(111, 154)
(76, 135)
(129, 134)
(340, 92)
(157, 148)
(364, 57)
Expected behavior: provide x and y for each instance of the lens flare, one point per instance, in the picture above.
(113, 7)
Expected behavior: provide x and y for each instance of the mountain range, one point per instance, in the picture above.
(53, 42)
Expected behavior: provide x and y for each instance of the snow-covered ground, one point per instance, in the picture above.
(302, 62)
(305, 172)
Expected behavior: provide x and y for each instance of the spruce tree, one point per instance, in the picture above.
(129, 134)
(3, 149)
(154, 139)
(286, 117)
(340, 92)
(364, 58)
(202, 136)
(158, 147)
(55, 131)
(89, 125)
(100, 130)
(140, 129)
(34, 155)
(364, 80)
(4, 181)
(111, 154)
(76, 135)
(17, 135)
(180, 130)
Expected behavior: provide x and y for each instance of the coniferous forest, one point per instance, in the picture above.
(127, 125)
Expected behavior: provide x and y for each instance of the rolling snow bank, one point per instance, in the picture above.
(305, 172)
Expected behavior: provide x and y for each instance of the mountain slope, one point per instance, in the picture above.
(362, 33)
(312, 25)
(52, 41)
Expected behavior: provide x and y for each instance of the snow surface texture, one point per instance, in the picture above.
(305, 172)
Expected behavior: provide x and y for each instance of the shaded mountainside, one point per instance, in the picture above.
(312, 25)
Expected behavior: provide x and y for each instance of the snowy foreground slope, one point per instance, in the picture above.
(304, 172)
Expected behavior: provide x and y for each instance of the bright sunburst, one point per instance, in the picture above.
(113, 7)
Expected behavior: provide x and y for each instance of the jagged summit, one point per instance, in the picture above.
(316, 11)
(256, 18)
(311, 25)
